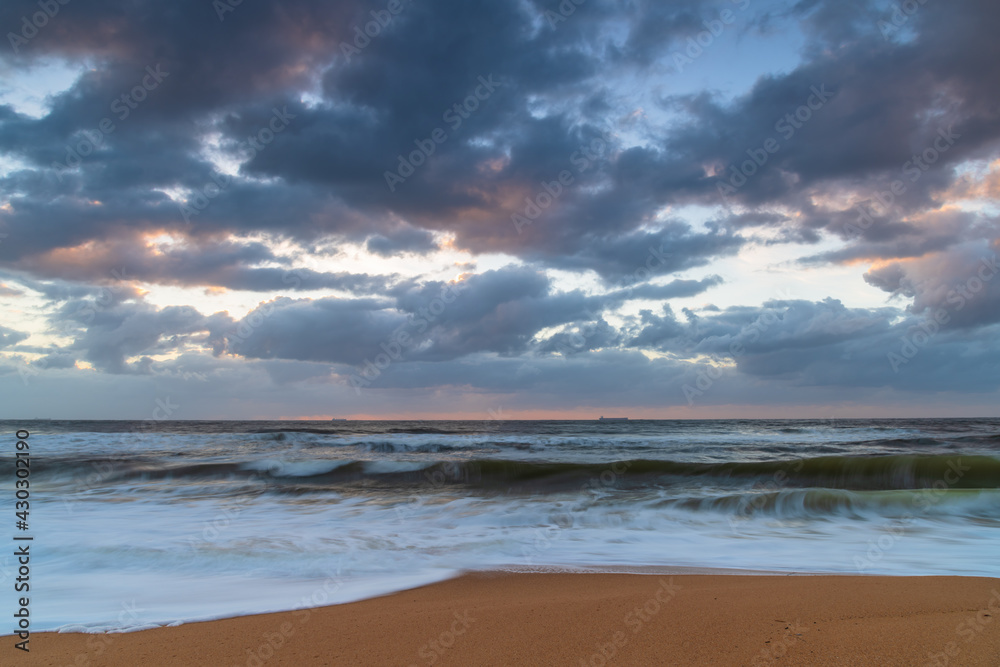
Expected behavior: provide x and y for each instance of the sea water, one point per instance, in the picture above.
(141, 524)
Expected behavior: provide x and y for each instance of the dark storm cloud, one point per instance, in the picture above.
(109, 335)
(531, 110)
(496, 311)
(777, 326)
(403, 240)
(399, 88)
(579, 339)
(674, 289)
(331, 158)
(58, 291)
(879, 237)
(9, 337)
(501, 311)
(657, 331)
(56, 360)
(825, 343)
(209, 263)
(675, 248)
(336, 330)
(905, 111)
(657, 25)
(212, 68)
(960, 288)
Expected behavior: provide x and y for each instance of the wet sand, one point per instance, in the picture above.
(585, 619)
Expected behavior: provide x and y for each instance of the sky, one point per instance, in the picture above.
(505, 209)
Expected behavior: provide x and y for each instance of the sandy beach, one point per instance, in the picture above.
(587, 619)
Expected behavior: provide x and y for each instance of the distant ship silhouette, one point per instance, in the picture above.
(613, 419)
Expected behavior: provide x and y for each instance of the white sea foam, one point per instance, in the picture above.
(278, 467)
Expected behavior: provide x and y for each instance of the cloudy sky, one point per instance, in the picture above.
(510, 208)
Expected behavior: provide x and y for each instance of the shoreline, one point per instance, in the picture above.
(639, 570)
(587, 618)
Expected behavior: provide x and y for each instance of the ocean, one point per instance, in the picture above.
(139, 524)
